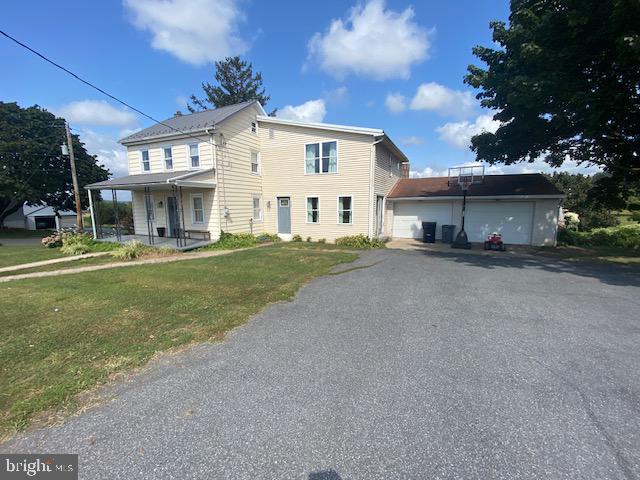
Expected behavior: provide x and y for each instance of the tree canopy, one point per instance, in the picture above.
(236, 83)
(565, 84)
(32, 167)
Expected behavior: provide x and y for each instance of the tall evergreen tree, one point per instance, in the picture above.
(236, 83)
(566, 85)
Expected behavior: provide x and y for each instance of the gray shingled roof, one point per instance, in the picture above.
(194, 122)
(141, 179)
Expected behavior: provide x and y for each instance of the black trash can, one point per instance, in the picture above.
(429, 232)
(447, 233)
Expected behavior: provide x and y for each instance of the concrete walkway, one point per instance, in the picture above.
(439, 247)
(132, 263)
(53, 261)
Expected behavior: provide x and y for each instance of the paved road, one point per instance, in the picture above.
(420, 366)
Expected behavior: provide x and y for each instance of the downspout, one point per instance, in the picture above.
(371, 179)
(214, 151)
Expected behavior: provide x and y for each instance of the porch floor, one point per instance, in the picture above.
(168, 242)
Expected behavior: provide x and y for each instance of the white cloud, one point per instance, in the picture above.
(412, 140)
(395, 102)
(96, 112)
(312, 111)
(195, 31)
(109, 152)
(538, 166)
(444, 100)
(337, 95)
(371, 42)
(458, 134)
(427, 172)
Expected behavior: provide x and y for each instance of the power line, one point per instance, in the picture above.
(95, 87)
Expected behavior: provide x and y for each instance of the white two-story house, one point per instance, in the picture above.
(235, 169)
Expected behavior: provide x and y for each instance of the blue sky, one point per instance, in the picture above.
(394, 65)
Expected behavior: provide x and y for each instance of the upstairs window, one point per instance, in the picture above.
(345, 210)
(321, 157)
(255, 163)
(168, 158)
(313, 210)
(144, 158)
(194, 156)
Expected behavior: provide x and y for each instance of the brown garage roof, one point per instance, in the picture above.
(493, 186)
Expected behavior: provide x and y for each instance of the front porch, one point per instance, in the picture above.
(160, 242)
(171, 209)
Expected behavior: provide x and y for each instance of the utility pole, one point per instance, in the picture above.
(74, 178)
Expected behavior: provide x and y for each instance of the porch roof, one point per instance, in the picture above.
(178, 178)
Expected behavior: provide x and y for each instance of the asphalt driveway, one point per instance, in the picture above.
(418, 366)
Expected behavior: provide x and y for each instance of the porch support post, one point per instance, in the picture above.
(184, 228)
(177, 228)
(93, 215)
(148, 207)
(116, 217)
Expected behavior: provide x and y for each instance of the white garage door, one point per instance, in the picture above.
(512, 219)
(408, 218)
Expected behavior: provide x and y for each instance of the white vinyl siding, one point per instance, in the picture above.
(313, 210)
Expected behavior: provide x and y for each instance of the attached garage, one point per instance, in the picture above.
(408, 217)
(523, 208)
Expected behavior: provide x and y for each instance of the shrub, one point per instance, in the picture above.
(308, 239)
(597, 219)
(296, 238)
(624, 236)
(74, 243)
(571, 220)
(359, 241)
(129, 250)
(322, 240)
(229, 241)
(267, 238)
(52, 241)
(635, 216)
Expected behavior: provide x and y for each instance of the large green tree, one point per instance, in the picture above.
(565, 83)
(235, 83)
(32, 167)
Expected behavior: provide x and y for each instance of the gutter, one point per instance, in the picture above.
(479, 197)
(371, 180)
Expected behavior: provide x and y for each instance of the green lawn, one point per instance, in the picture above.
(63, 335)
(601, 254)
(17, 254)
(23, 233)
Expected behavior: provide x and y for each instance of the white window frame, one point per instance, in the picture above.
(306, 203)
(338, 209)
(193, 210)
(319, 143)
(191, 167)
(259, 172)
(142, 169)
(254, 127)
(253, 208)
(164, 158)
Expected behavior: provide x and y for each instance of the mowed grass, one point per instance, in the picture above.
(619, 255)
(82, 262)
(63, 335)
(23, 233)
(17, 254)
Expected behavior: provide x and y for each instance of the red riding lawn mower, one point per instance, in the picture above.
(494, 242)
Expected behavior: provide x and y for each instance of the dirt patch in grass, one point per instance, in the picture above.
(66, 335)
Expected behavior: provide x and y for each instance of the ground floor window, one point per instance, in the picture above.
(257, 208)
(197, 208)
(345, 210)
(313, 210)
